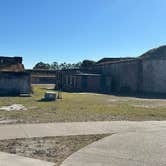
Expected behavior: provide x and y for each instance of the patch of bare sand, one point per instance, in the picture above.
(53, 149)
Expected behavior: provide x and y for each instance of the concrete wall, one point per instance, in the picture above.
(86, 83)
(42, 76)
(14, 83)
(93, 84)
(43, 80)
(42, 72)
(154, 76)
(141, 75)
(125, 75)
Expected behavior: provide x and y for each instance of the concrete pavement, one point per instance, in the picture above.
(15, 160)
(129, 148)
(75, 128)
(132, 143)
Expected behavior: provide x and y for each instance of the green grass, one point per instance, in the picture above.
(83, 107)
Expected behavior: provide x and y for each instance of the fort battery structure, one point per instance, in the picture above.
(144, 74)
(14, 80)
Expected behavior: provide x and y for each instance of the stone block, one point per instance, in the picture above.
(50, 96)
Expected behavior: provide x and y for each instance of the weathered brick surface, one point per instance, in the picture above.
(11, 64)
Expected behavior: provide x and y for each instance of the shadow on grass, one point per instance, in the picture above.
(141, 95)
(16, 95)
(126, 94)
(44, 100)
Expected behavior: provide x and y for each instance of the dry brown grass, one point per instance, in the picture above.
(53, 149)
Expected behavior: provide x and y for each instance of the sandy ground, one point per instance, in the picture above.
(52, 149)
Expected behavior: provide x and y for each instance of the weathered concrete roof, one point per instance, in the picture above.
(155, 53)
(114, 60)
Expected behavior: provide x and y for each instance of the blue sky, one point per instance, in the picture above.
(73, 30)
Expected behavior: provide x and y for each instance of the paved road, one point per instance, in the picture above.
(132, 144)
(75, 128)
(128, 148)
(14, 160)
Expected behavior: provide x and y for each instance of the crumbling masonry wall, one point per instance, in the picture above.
(11, 64)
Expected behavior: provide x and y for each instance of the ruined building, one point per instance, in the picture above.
(11, 64)
(144, 74)
(13, 78)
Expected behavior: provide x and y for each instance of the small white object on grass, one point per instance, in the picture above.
(14, 107)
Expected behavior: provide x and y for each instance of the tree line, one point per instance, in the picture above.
(62, 66)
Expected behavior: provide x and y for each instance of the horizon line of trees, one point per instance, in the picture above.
(62, 66)
(56, 66)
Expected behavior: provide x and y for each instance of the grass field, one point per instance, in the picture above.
(83, 107)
